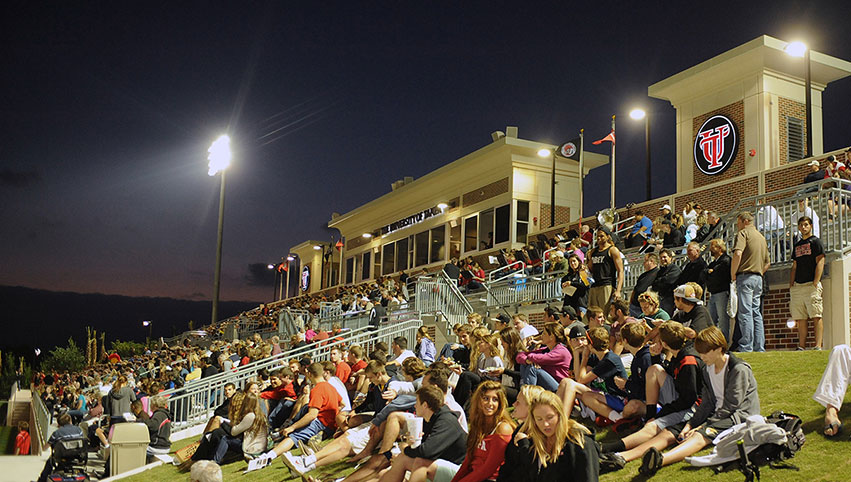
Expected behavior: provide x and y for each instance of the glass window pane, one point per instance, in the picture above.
(365, 266)
(523, 210)
(438, 244)
(471, 233)
(503, 224)
(486, 229)
(388, 257)
(455, 240)
(421, 253)
(350, 270)
(402, 254)
(522, 232)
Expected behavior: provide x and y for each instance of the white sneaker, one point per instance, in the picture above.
(295, 463)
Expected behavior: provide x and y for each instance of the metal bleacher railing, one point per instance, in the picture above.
(525, 288)
(192, 404)
(42, 421)
(437, 294)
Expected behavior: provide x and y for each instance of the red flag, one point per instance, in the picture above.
(282, 267)
(339, 245)
(609, 138)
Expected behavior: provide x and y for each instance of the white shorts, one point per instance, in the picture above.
(358, 437)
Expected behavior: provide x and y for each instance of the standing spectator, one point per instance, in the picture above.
(749, 263)
(805, 291)
(22, 440)
(666, 280)
(770, 224)
(718, 285)
(606, 267)
(644, 282)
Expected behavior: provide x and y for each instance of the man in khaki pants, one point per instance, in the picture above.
(805, 292)
(606, 266)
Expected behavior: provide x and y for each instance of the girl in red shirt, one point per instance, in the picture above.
(490, 432)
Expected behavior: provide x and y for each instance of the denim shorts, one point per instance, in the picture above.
(306, 433)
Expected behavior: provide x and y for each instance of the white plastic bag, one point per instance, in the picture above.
(733, 301)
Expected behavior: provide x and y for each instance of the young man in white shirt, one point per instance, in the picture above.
(521, 324)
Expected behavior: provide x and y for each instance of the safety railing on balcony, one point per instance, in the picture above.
(506, 271)
(193, 404)
(42, 417)
(437, 294)
(523, 288)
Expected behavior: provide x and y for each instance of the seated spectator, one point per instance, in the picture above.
(511, 470)
(159, 427)
(458, 352)
(425, 346)
(674, 386)
(643, 283)
(546, 366)
(728, 397)
(346, 406)
(66, 431)
(490, 432)
(280, 396)
(650, 310)
(831, 389)
(640, 231)
(442, 438)
(666, 280)
(400, 351)
(553, 446)
(521, 324)
(690, 311)
(592, 361)
(512, 344)
(575, 284)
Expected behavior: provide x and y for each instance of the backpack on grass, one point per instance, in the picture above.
(774, 455)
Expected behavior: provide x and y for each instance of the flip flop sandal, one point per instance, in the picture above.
(835, 426)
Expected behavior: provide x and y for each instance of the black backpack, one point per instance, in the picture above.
(773, 455)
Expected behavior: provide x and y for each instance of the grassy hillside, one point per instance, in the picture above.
(786, 382)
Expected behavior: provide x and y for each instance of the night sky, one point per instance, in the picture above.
(108, 110)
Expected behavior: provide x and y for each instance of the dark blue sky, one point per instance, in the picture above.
(108, 109)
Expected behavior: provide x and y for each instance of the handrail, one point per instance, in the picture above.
(41, 417)
(545, 257)
(510, 273)
(453, 288)
(192, 404)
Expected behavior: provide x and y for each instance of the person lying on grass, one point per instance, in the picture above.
(675, 386)
(729, 396)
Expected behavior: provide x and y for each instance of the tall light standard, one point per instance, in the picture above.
(799, 49)
(219, 157)
(150, 325)
(639, 114)
(272, 267)
(290, 258)
(544, 153)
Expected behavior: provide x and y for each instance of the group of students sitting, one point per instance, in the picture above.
(447, 417)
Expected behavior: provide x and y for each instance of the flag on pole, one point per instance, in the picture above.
(571, 149)
(339, 244)
(608, 138)
(283, 266)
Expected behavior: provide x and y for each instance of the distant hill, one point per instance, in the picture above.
(33, 318)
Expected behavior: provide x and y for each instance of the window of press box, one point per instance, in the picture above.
(502, 224)
(486, 229)
(438, 244)
(454, 239)
(376, 261)
(387, 258)
(365, 266)
(350, 270)
(402, 254)
(522, 227)
(421, 248)
(471, 225)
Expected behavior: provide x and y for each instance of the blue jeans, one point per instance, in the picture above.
(280, 413)
(227, 443)
(749, 316)
(531, 375)
(718, 312)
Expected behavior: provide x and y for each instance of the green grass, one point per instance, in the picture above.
(786, 382)
(7, 440)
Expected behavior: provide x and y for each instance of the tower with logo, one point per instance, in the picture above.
(743, 111)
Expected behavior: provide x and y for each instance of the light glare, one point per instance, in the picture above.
(270, 266)
(317, 247)
(796, 48)
(637, 114)
(290, 258)
(790, 323)
(544, 153)
(442, 206)
(220, 155)
(366, 235)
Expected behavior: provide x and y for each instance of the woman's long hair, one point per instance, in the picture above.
(567, 430)
(513, 343)
(251, 404)
(235, 407)
(480, 424)
(478, 335)
(556, 330)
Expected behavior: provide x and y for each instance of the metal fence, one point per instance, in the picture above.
(41, 417)
(524, 288)
(193, 404)
(440, 295)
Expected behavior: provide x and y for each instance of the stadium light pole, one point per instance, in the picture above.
(290, 258)
(219, 157)
(150, 325)
(639, 114)
(271, 266)
(543, 153)
(799, 49)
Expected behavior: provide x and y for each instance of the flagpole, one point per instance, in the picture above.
(581, 173)
(613, 164)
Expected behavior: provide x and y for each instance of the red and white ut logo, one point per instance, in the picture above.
(715, 145)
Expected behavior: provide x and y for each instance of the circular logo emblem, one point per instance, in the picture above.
(568, 149)
(305, 278)
(716, 145)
